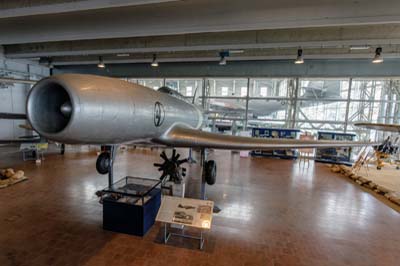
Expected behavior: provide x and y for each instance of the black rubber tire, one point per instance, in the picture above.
(210, 172)
(102, 163)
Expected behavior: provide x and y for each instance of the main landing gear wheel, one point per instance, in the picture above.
(210, 172)
(103, 163)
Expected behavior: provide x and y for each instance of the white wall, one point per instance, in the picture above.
(13, 96)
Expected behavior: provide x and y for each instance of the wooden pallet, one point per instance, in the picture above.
(11, 181)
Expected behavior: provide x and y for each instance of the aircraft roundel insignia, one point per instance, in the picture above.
(159, 114)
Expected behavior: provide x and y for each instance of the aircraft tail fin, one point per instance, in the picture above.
(194, 95)
(323, 89)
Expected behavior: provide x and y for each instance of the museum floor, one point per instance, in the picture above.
(273, 213)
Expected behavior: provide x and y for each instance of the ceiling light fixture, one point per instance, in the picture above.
(238, 51)
(299, 59)
(359, 47)
(378, 58)
(101, 63)
(123, 55)
(154, 63)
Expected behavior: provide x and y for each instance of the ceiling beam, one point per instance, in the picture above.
(209, 57)
(22, 8)
(243, 69)
(320, 37)
(183, 17)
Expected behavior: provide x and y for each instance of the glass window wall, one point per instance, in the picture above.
(310, 104)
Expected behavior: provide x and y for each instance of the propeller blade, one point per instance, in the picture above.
(164, 156)
(163, 175)
(158, 164)
(182, 161)
(177, 157)
(173, 153)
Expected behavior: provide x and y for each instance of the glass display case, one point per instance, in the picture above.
(131, 204)
(135, 190)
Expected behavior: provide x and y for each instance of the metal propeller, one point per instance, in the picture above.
(171, 167)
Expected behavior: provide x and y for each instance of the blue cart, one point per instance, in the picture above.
(276, 133)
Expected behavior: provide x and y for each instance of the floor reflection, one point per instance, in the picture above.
(239, 211)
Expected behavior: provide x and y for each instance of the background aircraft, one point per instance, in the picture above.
(13, 116)
(389, 149)
(22, 139)
(315, 90)
(34, 138)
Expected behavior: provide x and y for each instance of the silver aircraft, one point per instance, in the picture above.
(88, 109)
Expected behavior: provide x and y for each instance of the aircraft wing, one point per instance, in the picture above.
(227, 105)
(29, 139)
(382, 127)
(183, 136)
(13, 116)
(18, 141)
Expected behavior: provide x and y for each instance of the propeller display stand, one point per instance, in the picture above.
(190, 157)
(172, 171)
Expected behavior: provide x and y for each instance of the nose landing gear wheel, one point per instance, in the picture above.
(62, 149)
(210, 172)
(103, 163)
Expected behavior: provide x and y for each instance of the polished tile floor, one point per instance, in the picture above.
(273, 213)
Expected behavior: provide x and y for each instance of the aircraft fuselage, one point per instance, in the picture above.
(88, 109)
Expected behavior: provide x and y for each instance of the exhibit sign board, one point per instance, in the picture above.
(190, 212)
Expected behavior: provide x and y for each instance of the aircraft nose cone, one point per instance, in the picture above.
(66, 109)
